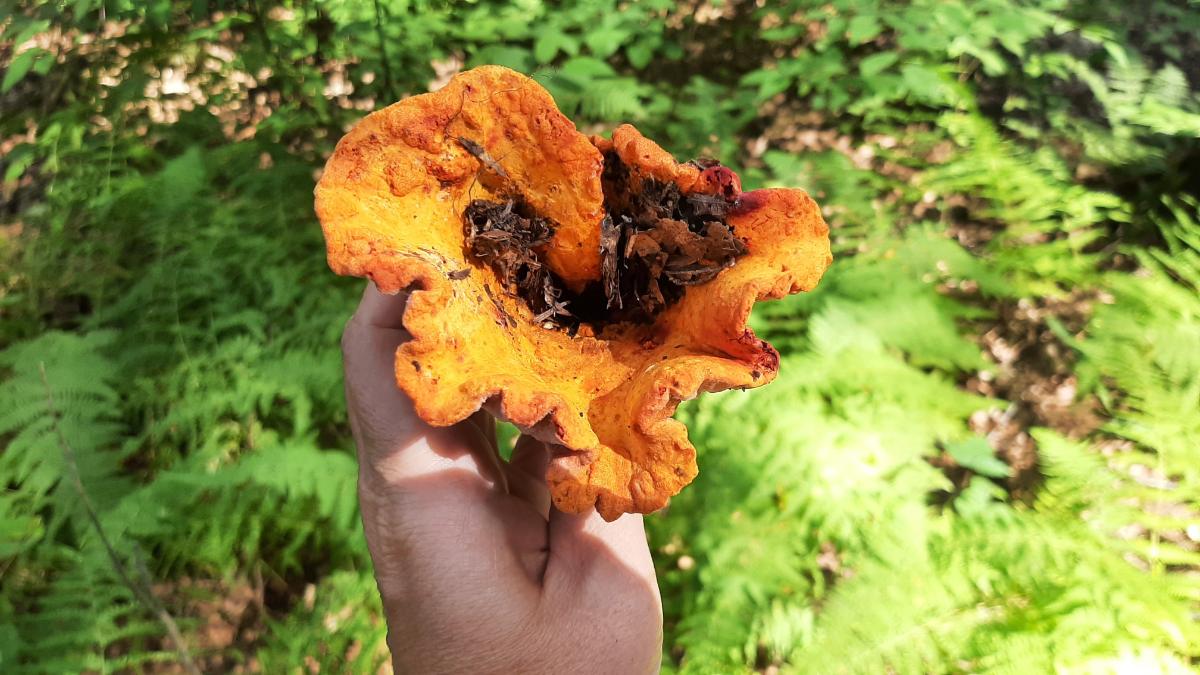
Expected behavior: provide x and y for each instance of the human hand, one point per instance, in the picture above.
(478, 572)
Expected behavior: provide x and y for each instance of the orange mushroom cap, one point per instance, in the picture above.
(391, 201)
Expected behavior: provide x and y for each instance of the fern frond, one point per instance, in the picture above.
(1000, 595)
(85, 619)
(277, 503)
(81, 379)
(1145, 341)
(343, 630)
(1031, 192)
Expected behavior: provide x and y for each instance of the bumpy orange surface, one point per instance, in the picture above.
(390, 202)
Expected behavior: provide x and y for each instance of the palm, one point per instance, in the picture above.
(477, 571)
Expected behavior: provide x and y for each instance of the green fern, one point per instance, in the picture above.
(59, 390)
(892, 292)
(1143, 345)
(342, 630)
(842, 434)
(1050, 222)
(85, 620)
(61, 416)
(1004, 590)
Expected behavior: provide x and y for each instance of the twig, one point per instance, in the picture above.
(389, 84)
(260, 24)
(140, 591)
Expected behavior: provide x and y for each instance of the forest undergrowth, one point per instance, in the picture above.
(982, 453)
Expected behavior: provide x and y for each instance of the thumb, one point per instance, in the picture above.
(587, 551)
(599, 577)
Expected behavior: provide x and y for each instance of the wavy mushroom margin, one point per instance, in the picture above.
(390, 202)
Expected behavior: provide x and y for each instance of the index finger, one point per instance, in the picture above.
(392, 440)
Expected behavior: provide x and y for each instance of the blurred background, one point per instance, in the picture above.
(982, 453)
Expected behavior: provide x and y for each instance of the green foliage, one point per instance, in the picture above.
(342, 631)
(59, 394)
(86, 619)
(59, 417)
(170, 331)
(975, 454)
(1141, 347)
(1029, 192)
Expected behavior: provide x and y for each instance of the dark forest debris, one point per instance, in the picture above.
(670, 240)
(506, 236)
(610, 239)
(654, 242)
(499, 234)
